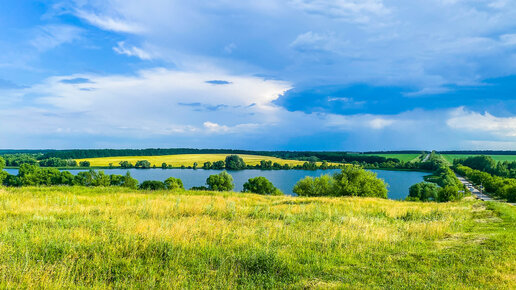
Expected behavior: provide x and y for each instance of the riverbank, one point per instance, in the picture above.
(114, 237)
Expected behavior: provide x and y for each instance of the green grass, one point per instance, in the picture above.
(401, 157)
(451, 157)
(63, 237)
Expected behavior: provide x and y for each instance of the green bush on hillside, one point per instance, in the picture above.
(173, 183)
(261, 185)
(351, 181)
(220, 182)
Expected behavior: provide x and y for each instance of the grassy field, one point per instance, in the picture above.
(184, 159)
(401, 157)
(64, 237)
(451, 157)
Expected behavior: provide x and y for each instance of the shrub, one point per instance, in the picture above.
(261, 185)
(220, 182)
(152, 185)
(173, 183)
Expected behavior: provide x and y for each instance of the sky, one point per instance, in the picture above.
(346, 75)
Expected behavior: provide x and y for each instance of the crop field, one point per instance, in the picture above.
(451, 157)
(184, 159)
(401, 157)
(67, 237)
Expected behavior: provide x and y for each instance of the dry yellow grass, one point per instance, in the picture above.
(184, 160)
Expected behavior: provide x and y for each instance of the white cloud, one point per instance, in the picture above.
(109, 22)
(150, 103)
(353, 10)
(121, 48)
(462, 119)
(50, 36)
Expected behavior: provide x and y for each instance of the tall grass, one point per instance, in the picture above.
(61, 237)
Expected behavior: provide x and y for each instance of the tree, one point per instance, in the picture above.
(84, 164)
(3, 176)
(424, 191)
(206, 165)
(261, 185)
(318, 186)
(220, 182)
(351, 181)
(195, 164)
(173, 183)
(164, 165)
(448, 193)
(265, 164)
(152, 185)
(144, 164)
(218, 165)
(235, 162)
(356, 181)
(125, 164)
(2, 163)
(129, 182)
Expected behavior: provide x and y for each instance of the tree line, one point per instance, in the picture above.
(488, 164)
(443, 185)
(497, 186)
(351, 181)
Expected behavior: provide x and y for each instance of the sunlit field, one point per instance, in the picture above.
(185, 159)
(63, 237)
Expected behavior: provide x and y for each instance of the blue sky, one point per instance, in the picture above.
(272, 74)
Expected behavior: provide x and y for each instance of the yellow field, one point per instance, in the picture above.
(185, 159)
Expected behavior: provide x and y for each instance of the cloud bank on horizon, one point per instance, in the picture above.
(272, 74)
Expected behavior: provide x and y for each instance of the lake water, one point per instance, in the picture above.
(398, 181)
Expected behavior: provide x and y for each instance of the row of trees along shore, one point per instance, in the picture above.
(350, 181)
(67, 159)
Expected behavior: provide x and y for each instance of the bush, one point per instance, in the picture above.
(173, 183)
(220, 182)
(2, 163)
(261, 185)
(152, 185)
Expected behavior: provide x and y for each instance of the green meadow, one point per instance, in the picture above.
(451, 157)
(62, 237)
(401, 157)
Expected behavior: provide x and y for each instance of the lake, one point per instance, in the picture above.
(398, 181)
